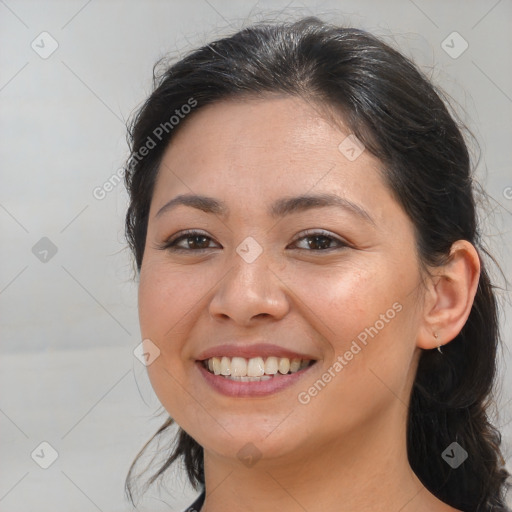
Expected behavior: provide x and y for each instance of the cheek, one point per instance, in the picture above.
(165, 300)
(346, 298)
(166, 297)
(365, 315)
(170, 301)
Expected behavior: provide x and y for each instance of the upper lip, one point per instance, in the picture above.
(249, 351)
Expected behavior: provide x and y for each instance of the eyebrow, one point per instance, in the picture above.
(280, 208)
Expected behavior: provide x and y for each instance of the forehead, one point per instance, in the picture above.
(273, 146)
(259, 129)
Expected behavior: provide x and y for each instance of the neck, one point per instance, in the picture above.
(366, 470)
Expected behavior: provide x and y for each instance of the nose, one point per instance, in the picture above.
(249, 293)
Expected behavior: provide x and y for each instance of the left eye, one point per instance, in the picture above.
(320, 241)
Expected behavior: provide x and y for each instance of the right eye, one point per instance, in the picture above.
(188, 241)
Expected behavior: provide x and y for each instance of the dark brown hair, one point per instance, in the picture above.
(400, 118)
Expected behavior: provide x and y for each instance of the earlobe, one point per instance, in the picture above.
(450, 296)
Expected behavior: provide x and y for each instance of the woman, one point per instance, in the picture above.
(319, 318)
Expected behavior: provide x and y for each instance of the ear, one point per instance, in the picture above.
(449, 297)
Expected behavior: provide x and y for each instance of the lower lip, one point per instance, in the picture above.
(240, 389)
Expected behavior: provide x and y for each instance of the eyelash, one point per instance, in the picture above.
(171, 243)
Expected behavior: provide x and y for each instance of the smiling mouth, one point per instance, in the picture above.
(254, 369)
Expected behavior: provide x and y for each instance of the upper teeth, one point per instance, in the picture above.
(254, 367)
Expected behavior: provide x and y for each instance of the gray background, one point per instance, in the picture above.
(69, 322)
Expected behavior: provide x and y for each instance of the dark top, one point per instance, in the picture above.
(196, 506)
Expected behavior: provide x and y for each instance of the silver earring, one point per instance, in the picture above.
(439, 346)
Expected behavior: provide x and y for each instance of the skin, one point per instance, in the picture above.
(345, 450)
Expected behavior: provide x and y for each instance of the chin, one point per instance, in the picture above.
(250, 444)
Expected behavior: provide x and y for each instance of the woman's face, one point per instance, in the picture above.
(270, 276)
